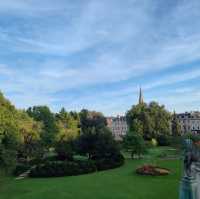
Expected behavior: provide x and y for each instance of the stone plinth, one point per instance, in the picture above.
(197, 169)
(188, 188)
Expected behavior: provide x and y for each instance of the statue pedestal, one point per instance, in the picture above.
(188, 188)
(197, 169)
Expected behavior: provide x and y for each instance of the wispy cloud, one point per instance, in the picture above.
(72, 47)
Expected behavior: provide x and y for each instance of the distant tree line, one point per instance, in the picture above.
(27, 136)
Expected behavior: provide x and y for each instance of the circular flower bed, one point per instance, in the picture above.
(152, 170)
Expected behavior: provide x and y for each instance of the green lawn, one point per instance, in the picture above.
(120, 183)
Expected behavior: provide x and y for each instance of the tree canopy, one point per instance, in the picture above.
(50, 129)
(149, 120)
(68, 125)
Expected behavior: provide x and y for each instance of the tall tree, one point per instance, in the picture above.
(30, 132)
(134, 144)
(50, 129)
(95, 136)
(97, 144)
(153, 118)
(92, 120)
(9, 134)
(68, 126)
(161, 118)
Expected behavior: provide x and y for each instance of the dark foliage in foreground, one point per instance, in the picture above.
(76, 167)
(117, 160)
(21, 168)
(63, 168)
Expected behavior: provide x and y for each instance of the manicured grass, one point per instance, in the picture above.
(120, 183)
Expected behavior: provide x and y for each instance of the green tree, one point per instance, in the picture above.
(137, 127)
(105, 146)
(50, 129)
(9, 134)
(30, 132)
(97, 144)
(161, 118)
(134, 143)
(95, 139)
(91, 119)
(68, 126)
(153, 118)
(65, 149)
(86, 143)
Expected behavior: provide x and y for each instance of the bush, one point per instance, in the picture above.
(115, 161)
(77, 167)
(154, 142)
(86, 166)
(177, 142)
(63, 168)
(135, 144)
(21, 168)
(151, 143)
(7, 160)
(163, 140)
(65, 150)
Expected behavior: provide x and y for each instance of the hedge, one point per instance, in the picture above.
(163, 140)
(21, 168)
(62, 168)
(110, 162)
(77, 167)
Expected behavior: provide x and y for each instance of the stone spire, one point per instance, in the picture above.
(141, 100)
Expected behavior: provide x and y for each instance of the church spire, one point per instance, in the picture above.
(141, 100)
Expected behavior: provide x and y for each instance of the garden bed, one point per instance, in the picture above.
(152, 170)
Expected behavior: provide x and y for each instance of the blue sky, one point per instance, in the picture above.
(96, 53)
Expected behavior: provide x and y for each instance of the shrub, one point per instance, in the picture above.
(163, 140)
(154, 142)
(109, 163)
(135, 144)
(49, 158)
(86, 166)
(151, 143)
(65, 150)
(63, 168)
(177, 142)
(21, 168)
(7, 160)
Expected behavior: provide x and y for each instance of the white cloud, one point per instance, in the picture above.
(4, 70)
(76, 45)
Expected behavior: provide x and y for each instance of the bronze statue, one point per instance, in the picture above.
(190, 158)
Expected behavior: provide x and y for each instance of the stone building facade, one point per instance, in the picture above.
(118, 126)
(189, 122)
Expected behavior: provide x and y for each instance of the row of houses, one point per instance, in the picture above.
(118, 125)
(189, 122)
